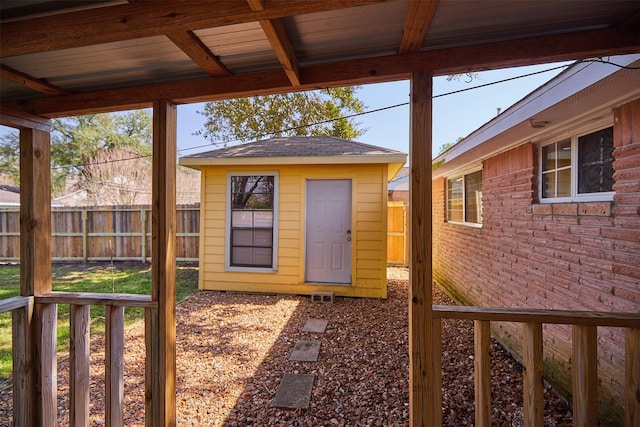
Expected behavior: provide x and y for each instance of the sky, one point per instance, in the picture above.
(454, 116)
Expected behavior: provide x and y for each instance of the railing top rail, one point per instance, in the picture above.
(13, 303)
(531, 315)
(90, 298)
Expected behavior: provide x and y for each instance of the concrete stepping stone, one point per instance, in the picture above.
(315, 325)
(294, 391)
(305, 351)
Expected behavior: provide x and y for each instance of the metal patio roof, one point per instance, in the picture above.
(67, 57)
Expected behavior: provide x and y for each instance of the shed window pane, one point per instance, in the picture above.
(251, 234)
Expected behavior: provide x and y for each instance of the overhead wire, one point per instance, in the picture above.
(376, 110)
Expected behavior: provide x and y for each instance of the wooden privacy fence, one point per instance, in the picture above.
(397, 234)
(124, 234)
(102, 233)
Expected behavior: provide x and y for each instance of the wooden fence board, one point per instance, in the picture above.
(124, 233)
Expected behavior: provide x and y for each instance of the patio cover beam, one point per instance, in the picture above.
(145, 19)
(512, 53)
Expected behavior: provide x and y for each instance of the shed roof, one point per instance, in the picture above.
(299, 150)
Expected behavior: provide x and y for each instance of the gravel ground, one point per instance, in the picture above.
(233, 349)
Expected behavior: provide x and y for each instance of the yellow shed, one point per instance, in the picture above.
(295, 215)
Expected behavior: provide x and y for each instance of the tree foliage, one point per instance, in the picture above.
(77, 141)
(320, 112)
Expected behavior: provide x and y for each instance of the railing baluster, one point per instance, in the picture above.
(585, 376)
(482, 370)
(24, 403)
(533, 391)
(632, 375)
(114, 365)
(46, 339)
(79, 365)
(437, 367)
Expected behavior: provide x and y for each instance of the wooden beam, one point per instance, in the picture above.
(161, 339)
(21, 120)
(423, 376)
(536, 50)
(145, 19)
(277, 36)
(79, 354)
(533, 315)
(533, 388)
(26, 80)
(417, 25)
(190, 44)
(584, 373)
(482, 372)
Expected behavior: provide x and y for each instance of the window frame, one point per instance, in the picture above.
(228, 231)
(575, 197)
(464, 198)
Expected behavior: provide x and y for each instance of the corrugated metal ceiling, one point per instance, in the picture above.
(324, 37)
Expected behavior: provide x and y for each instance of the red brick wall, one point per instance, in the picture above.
(574, 256)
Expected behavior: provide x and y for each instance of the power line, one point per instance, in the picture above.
(349, 116)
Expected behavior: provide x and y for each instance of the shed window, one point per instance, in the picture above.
(251, 221)
(464, 198)
(578, 168)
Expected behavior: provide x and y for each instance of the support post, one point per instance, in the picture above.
(160, 398)
(30, 382)
(425, 407)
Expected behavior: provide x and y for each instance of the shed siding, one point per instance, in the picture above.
(575, 256)
(368, 230)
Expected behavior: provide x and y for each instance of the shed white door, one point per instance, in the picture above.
(328, 234)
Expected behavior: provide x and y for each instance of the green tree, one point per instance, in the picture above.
(78, 141)
(320, 112)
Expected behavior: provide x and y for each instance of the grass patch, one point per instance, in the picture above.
(102, 278)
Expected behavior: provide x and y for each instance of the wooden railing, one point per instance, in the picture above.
(584, 359)
(23, 308)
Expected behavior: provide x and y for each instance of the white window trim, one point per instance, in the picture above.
(227, 234)
(446, 207)
(575, 196)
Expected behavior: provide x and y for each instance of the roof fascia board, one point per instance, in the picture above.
(298, 160)
(570, 82)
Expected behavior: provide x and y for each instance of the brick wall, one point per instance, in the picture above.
(575, 256)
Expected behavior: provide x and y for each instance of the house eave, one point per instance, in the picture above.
(577, 85)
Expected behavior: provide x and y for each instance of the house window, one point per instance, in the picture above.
(578, 168)
(252, 231)
(464, 198)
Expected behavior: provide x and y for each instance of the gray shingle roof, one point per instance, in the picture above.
(297, 146)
